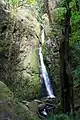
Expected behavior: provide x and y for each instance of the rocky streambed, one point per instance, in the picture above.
(41, 108)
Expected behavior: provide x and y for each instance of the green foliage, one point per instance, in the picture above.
(60, 117)
(60, 14)
(33, 2)
(74, 4)
(75, 18)
(75, 37)
(76, 63)
(76, 74)
(14, 2)
(43, 49)
(40, 9)
(62, 3)
(75, 47)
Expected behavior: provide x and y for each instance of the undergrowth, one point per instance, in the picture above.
(59, 117)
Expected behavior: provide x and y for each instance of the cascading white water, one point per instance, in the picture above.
(43, 69)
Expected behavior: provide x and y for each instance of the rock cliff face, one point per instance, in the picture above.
(51, 54)
(19, 37)
(23, 54)
(52, 62)
(4, 40)
(50, 6)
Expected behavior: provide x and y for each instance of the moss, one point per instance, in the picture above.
(24, 111)
(43, 49)
(36, 85)
(5, 92)
(13, 110)
(19, 49)
(38, 29)
(35, 61)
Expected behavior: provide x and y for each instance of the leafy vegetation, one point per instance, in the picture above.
(75, 33)
(14, 2)
(60, 13)
(17, 3)
(60, 117)
(74, 39)
(31, 2)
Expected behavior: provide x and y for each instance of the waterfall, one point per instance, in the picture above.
(44, 72)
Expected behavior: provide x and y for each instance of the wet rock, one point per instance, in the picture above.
(46, 107)
(41, 108)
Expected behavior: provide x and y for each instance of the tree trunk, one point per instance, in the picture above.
(65, 68)
(77, 5)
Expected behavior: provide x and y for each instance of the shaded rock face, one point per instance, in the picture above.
(51, 58)
(19, 34)
(41, 108)
(53, 35)
(18, 62)
(5, 34)
(23, 59)
(50, 6)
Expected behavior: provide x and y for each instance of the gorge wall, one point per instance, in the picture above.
(19, 37)
(19, 77)
(53, 35)
(23, 58)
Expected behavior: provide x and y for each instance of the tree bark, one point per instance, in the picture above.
(77, 5)
(65, 68)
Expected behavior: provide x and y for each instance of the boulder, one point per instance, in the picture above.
(11, 109)
(5, 92)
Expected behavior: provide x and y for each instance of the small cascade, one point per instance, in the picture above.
(44, 72)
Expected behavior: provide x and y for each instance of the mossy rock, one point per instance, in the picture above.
(24, 80)
(5, 93)
(19, 38)
(13, 110)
